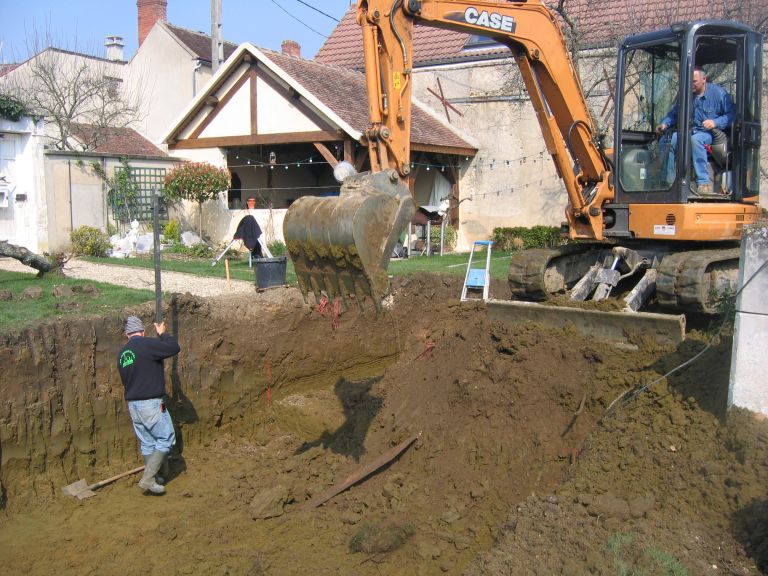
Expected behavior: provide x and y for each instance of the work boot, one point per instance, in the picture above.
(152, 464)
(705, 189)
(165, 470)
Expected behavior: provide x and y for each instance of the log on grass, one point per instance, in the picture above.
(39, 263)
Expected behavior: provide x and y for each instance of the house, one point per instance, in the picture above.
(47, 193)
(169, 68)
(280, 124)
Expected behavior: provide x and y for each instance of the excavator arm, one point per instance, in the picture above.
(341, 246)
(533, 34)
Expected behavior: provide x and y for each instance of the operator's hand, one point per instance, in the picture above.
(660, 128)
(160, 328)
(708, 124)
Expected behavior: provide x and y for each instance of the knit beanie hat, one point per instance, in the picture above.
(133, 324)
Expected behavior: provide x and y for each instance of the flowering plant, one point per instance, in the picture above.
(197, 182)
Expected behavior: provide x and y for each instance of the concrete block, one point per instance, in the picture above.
(749, 361)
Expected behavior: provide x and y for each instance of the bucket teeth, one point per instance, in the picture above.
(341, 246)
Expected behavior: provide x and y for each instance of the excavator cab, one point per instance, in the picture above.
(655, 82)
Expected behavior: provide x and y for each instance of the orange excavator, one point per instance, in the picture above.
(638, 221)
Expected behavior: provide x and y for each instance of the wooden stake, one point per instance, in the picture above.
(361, 473)
(226, 266)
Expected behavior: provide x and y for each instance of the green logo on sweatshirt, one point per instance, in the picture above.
(127, 358)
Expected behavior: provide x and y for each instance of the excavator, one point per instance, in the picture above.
(638, 224)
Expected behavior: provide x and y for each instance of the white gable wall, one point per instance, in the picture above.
(277, 115)
(234, 118)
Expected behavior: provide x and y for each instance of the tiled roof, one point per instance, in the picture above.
(5, 68)
(199, 43)
(606, 21)
(116, 141)
(344, 46)
(344, 91)
(600, 22)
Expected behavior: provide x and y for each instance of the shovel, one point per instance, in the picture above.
(81, 489)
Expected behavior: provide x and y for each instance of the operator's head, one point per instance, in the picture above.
(134, 326)
(699, 83)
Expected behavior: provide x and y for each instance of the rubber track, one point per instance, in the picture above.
(681, 277)
(527, 268)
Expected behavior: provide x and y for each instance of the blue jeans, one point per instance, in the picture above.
(152, 425)
(698, 152)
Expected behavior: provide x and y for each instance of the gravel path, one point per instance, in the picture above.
(142, 278)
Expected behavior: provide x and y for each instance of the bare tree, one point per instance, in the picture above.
(69, 88)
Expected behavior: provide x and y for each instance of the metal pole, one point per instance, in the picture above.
(442, 234)
(156, 243)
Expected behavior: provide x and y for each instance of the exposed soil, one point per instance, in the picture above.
(513, 471)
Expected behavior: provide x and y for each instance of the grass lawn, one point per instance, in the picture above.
(18, 313)
(239, 270)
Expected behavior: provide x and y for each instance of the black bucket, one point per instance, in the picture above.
(270, 271)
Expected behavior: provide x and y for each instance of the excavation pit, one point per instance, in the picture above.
(510, 474)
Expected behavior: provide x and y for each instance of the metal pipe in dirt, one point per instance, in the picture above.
(156, 245)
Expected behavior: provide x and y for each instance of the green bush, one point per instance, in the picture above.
(199, 250)
(449, 238)
(534, 237)
(89, 241)
(12, 108)
(277, 248)
(172, 231)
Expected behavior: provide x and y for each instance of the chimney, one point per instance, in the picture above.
(150, 11)
(114, 45)
(291, 48)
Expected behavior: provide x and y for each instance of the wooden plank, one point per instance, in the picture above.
(361, 473)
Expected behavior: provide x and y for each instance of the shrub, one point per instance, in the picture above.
(89, 241)
(534, 237)
(172, 231)
(197, 182)
(449, 238)
(276, 247)
(199, 250)
(12, 108)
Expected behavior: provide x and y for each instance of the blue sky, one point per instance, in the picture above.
(84, 24)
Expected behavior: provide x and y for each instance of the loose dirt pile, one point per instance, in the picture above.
(513, 471)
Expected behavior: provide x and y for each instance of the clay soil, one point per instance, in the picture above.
(517, 468)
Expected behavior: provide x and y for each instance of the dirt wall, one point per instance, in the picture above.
(62, 412)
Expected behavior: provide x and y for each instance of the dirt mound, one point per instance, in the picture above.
(275, 403)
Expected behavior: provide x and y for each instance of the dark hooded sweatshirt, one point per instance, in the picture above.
(140, 364)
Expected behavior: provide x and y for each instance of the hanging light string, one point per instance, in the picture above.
(479, 162)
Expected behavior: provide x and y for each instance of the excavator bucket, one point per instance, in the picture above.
(341, 246)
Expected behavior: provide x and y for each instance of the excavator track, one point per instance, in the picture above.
(690, 281)
(687, 281)
(537, 273)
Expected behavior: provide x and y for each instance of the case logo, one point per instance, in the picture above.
(492, 20)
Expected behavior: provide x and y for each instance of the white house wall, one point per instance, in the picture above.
(23, 222)
(164, 73)
(76, 196)
(276, 115)
(511, 181)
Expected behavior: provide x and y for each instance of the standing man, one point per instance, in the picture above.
(141, 369)
(712, 108)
